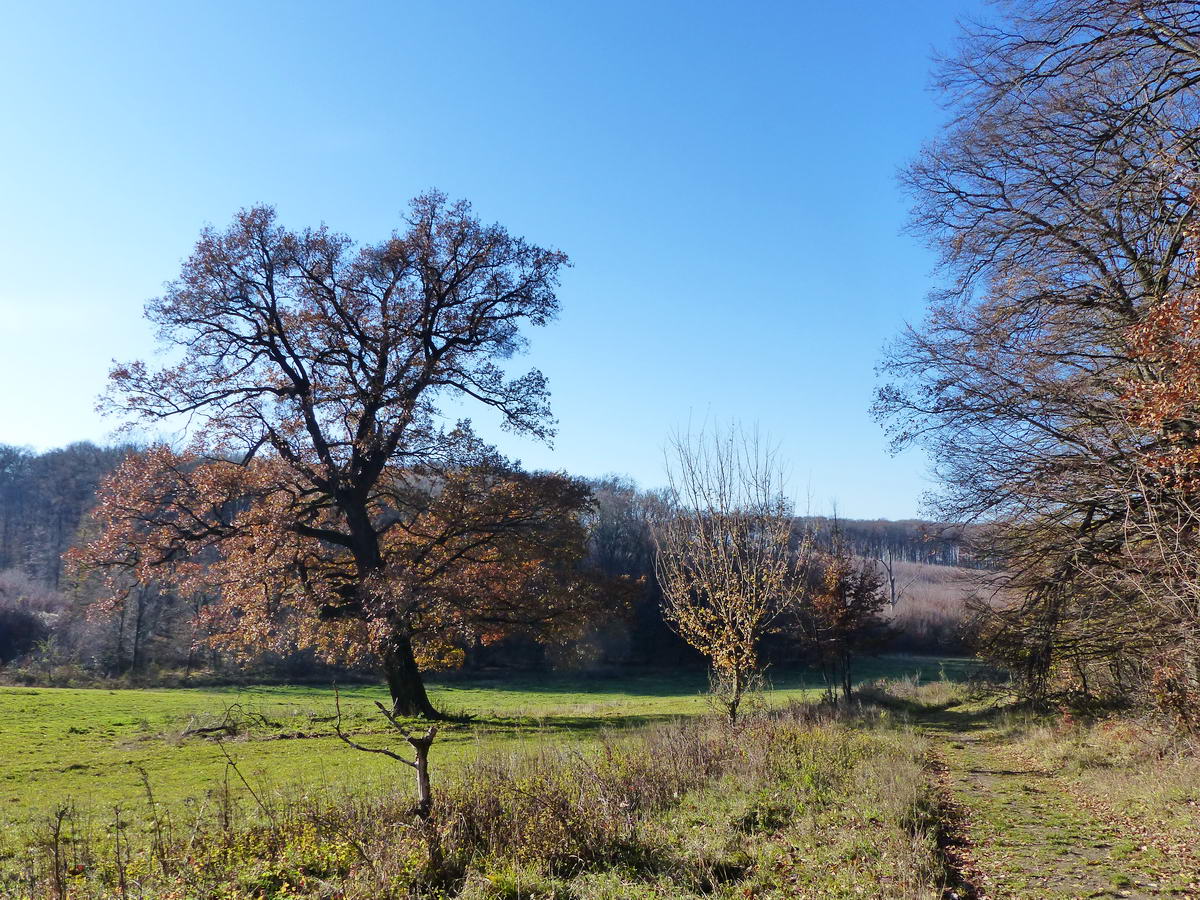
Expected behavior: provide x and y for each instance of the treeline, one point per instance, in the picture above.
(906, 540)
(45, 496)
(43, 499)
(58, 626)
(1054, 382)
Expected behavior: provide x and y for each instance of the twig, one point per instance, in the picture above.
(337, 727)
(232, 764)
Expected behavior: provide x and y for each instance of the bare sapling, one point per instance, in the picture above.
(419, 743)
(727, 558)
(896, 592)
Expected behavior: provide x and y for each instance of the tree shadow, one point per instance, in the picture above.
(558, 725)
(651, 682)
(949, 718)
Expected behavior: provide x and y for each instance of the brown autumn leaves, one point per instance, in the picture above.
(1054, 382)
(323, 500)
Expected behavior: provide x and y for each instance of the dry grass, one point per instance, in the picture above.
(931, 615)
(798, 799)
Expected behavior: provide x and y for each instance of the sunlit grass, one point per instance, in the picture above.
(91, 747)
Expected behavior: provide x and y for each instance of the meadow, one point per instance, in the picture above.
(546, 786)
(931, 784)
(98, 748)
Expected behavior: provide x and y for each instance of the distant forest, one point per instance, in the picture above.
(58, 628)
(44, 498)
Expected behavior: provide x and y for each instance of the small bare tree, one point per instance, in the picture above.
(419, 743)
(895, 592)
(726, 560)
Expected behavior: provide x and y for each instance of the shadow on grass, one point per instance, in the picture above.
(951, 718)
(569, 724)
(556, 705)
(676, 683)
(613, 689)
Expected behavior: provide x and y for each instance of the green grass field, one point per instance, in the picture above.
(91, 747)
(927, 788)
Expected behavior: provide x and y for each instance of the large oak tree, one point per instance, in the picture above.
(324, 497)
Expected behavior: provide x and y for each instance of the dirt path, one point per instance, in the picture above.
(1021, 833)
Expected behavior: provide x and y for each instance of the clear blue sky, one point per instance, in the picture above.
(723, 176)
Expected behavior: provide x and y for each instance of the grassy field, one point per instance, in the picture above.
(573, 788)
(97, 748)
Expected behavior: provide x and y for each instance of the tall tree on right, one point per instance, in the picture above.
(1058, 198)
(1162, 527)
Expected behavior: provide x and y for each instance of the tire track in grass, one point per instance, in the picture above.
(1017, 831)
(954, 844)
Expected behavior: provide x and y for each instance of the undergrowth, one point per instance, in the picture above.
(795, 802)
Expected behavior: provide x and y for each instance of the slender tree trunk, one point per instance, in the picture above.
(421, 747)
(829, 678)
(118, 664)
(1083, 679)
(135, 662)
(474, 654)
(404, 680)
(736, 700)
(846, 677)
(191, 656)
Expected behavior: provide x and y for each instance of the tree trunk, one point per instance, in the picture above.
(118, 663)
(421, 747)
(404, 680)
(135, 661)
(736, 699)
(474, 654)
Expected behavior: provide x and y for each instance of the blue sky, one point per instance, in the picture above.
(723, 176)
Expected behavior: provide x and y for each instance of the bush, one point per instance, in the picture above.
(20, 632)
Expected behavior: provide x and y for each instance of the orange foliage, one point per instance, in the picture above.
(1163, 399)
(326, 502)
(487, 550)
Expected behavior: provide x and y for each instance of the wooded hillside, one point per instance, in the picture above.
(45, 499)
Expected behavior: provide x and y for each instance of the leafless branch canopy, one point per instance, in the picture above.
(727, 561)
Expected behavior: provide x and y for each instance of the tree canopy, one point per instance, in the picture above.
(323, 495)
